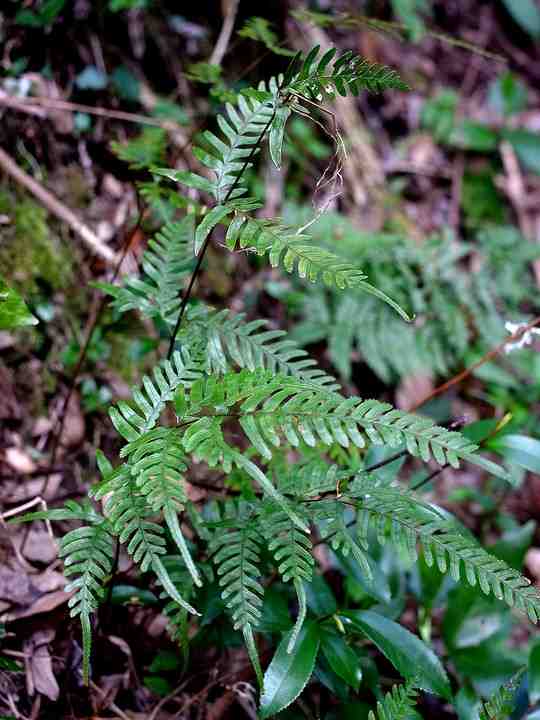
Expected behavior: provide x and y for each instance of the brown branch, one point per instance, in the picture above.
(55, 207)
(484, 359)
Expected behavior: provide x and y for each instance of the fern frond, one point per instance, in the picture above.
(270, 405)
(130, 516)
(236, 555)
(143, 151)
(294, 251)
(292, 551)
(88, 554)
(502, 703)
(243, 130)
(398, 515)
(253, 345)
(397, 704)
(157, 461)
(177, 615)
(155, 393)
(322, 77)
(166, 263)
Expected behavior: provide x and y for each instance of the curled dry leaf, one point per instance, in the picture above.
(39, 672)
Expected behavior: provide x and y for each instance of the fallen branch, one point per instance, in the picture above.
(55, 207)
(484, 359)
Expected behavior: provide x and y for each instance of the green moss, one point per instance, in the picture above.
(29, 250)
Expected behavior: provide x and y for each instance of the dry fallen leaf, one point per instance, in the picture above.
(19, 460)
(39, 546)
(39, 673)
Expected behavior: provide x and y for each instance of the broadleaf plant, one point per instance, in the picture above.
(246, 401)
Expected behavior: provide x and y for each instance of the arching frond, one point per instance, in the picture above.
(292, 551)
(236, 556)
(399, 516)
(271, 406)
(166, 263)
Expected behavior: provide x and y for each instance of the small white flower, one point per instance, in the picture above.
(525, 339)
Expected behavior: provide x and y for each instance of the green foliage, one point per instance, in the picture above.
(144, 150)
(502, 703)
(452, 306)
(260, 29)
(243, 398)
(166, 264)
(13, 310)
(397, 704)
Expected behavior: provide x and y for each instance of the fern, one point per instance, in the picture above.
(502, 703)
(236, 555)
(272, 404)
(143, 151)
(396, 514)
(87, 553)
(397, 704)
(452, 306)
(292, 552)
(166, 263)
(253, 346)
(348, 74)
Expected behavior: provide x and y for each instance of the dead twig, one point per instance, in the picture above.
(55, 207)
(484, 359)
(34, 104)
(230, 8)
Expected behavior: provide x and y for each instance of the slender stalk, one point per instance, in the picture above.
(202, 252)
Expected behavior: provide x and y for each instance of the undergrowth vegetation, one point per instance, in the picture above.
(300, 474)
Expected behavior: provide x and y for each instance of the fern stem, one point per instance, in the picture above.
(202, 252)
(302, 611)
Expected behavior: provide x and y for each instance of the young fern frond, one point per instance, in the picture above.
(322, 77)
(166, 264)
(292, 551)
(236, 556)
(397, 704)
(88, 554)
(397, 515)
(252, 345)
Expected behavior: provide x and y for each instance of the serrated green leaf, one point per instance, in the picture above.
(289, 673)
(409, 655)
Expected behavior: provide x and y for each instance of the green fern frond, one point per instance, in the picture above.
(129, 513)
(295, 252)
(143, 151)
(292, 551)
(157, 461)
(270, 405)
(397, 704)
(88, 554)
(398, 515)
(236, 554)
(166, 263)
(243, 130)
(321, 77)
(253, 345)
(155, 393)
(502, 703)
(177, 615)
